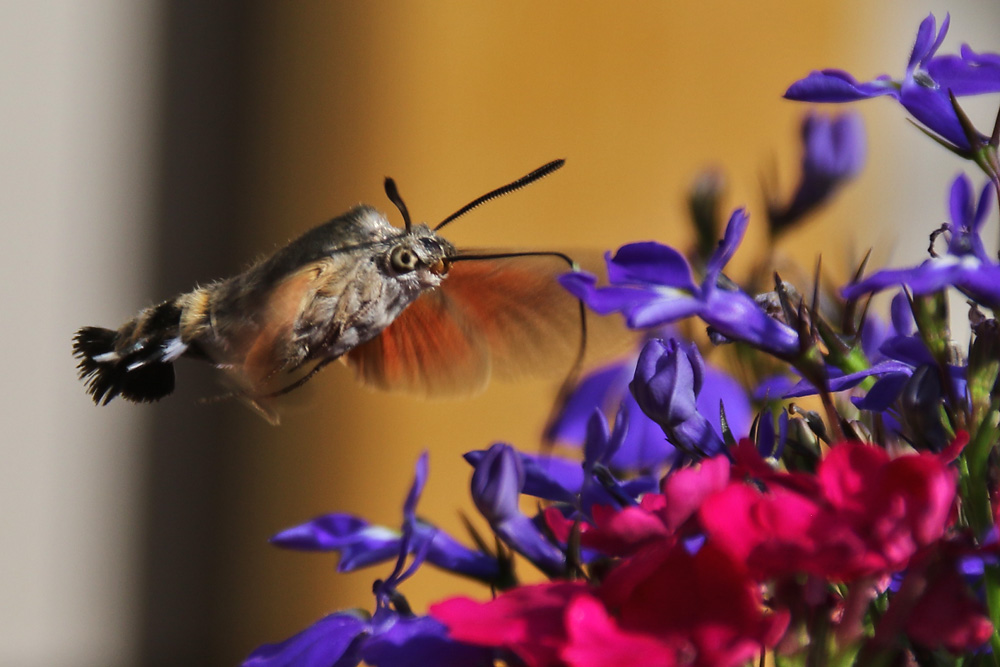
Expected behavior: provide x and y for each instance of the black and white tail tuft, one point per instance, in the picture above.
(135, 362)
(137, 376)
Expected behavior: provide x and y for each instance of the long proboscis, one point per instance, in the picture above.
(574, 373)
(528, 179)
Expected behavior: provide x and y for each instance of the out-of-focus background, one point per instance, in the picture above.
(150, 146)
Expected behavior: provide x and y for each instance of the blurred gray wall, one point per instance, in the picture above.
(119, 172)
(78, 177)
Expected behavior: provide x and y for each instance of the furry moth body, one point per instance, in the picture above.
(400, 305)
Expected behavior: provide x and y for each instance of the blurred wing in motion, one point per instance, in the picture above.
(258, 360)
(505, 316)
(264, 354)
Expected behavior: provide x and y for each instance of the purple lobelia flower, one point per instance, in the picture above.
(565, 481)
(606, 389)
(333, 641)
(965, 265)
(833, 152)
(770, 441)
(393, 636)
(898, 358)
(643, 446)
(497, 483)
(652, 285)
(362, 544)
(599, 448)
(924, 88)
(668, 378)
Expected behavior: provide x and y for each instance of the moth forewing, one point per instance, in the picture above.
(506, 317)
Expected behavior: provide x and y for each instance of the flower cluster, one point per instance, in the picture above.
(835, 504)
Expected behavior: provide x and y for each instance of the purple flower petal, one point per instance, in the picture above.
(902, 315)
(983, 208)
(603, 300)
(451, 555)
(720, 387)
(644, 446)
(928, 41)
(417, 488)
(924, 89)
(598, 438)
(421, 641)
(658, 310)
(328, 532)
(833, 152)
(735, 229)
(933, 108)
(497, 482)
(968, 74)
(773, 387)
(546, 477)
(600, 389)
(738, 317)
(910, 350)
(881, 280)
(833, 85)
(333, 641)
(650, 263)
(960, 201)
(664, 386)
(850, 380)
(983, 285)
(496, 486)
(884, 392)
(988, 59)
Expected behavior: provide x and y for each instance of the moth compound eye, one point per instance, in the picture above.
(402, 259)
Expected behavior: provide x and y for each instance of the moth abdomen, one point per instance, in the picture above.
(134, 362)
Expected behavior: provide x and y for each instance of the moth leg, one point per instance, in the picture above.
(258, 402)
(302, 380)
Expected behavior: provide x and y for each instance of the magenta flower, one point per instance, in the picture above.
(715, 616)
(924, 88)
(658, 518)
(664, 605)
(947, 615)
(862, 514)
(528, 620)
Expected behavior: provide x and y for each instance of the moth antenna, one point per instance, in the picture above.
(393, 194)
(541, 172)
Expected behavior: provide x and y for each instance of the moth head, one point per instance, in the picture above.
(420, 253)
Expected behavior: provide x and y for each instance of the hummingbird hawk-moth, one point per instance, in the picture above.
(406, 308)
